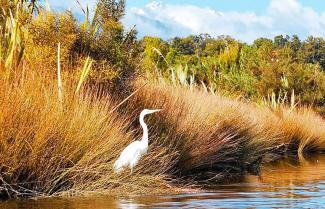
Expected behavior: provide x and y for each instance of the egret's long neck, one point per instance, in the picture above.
(145, 130)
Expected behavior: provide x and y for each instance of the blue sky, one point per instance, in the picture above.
(258, 6)
(242, 19)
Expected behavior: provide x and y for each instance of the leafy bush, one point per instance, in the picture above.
(45, 32)
(253, 71)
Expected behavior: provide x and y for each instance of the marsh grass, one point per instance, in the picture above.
(216, 137)
(49, 147)
(67, 147)
(57, 138)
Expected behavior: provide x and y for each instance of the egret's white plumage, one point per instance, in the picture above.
(131, 155)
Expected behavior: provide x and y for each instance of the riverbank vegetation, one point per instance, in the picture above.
(258, 71)
(227, 106)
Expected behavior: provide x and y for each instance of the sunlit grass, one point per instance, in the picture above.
(215, 134)
(50, 146)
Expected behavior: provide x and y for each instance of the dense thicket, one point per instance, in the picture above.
(258, 71)
(102, 37)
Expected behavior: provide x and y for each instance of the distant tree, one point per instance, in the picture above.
(155, 51)
(280, 41)
(214, 47)
(110, 9)
(295, 43)
(314, 51)
(184, 45)
(105, 39)
(262, 42)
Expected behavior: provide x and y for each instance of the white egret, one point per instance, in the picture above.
(131, 155)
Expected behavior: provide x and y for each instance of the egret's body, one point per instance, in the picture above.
(131, 155)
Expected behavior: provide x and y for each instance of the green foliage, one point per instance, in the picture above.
(104, 39)
(46, 31)
(13, 15)
(101, 37)
(155, 50)
(314, 51)
(255, 71)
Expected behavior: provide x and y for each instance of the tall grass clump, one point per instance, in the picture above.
(59, 139)
(213, 136)
(216, 137)
(50, 146)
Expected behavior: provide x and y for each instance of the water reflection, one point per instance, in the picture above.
(129, 204)
(286, 184)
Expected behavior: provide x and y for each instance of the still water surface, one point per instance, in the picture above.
(286, 184)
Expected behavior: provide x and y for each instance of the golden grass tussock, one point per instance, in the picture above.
(304, 129)
(210, 133)
(216, 136)
(51, 147)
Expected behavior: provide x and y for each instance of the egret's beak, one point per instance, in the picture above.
(157, 110)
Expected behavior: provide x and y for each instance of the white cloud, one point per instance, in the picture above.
(281, 17)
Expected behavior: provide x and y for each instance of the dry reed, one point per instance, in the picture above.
(52, 147)
(215, 136)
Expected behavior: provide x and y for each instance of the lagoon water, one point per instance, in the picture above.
(286, 184)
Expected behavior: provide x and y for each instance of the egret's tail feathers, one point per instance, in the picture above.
(117, 167)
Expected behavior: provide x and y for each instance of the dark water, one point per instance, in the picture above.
(286, 184)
